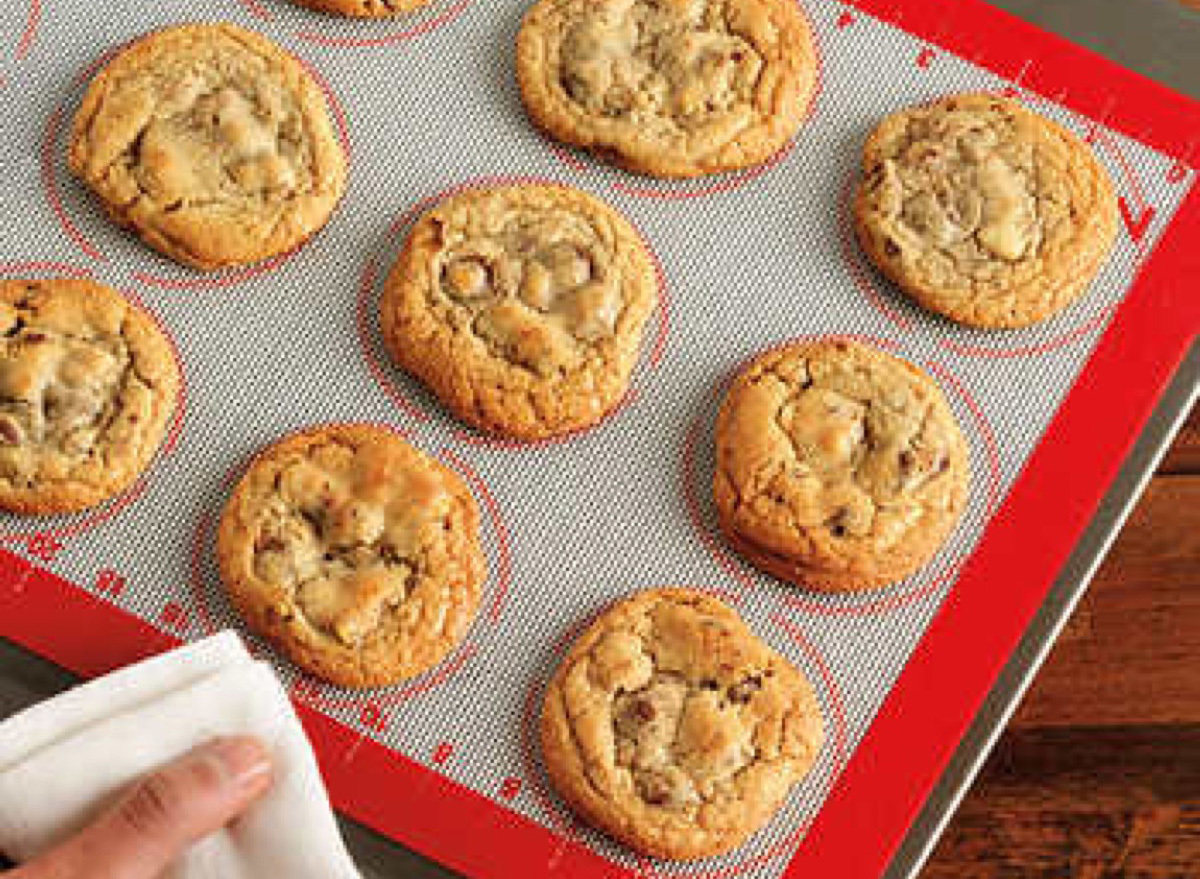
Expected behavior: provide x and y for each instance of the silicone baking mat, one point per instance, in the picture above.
(427, 103)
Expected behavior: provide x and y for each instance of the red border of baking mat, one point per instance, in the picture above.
(953, 667)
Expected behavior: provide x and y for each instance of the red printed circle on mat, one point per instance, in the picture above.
(53, 148)
(62, 527)
(384, 372)
(28, 35)
(417, 23)
(327, 698)
(20, 34)
(562, 820)
(652, 188)
(850, 604)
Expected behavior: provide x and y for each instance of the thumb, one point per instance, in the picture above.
(162, 815)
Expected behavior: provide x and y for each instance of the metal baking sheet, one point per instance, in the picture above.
(748, 260)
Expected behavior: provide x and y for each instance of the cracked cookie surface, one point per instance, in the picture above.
(364, 8)
(522, 307)
(356, 554)
(671, 88)
(984, 211)
(88, 384)
(670, 726)
(838, 467)
(212, 143)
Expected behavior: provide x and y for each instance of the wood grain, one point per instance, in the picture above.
(1098, 776)
(1184, 456)
(1131, 652)
(1104, 803)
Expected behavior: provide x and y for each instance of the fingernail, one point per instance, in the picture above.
(245, 761)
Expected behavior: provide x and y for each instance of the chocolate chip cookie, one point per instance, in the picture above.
(88, 384)
(212, 143)
(521, 306)
(364, 8)
(671, 88)
(356, 554)
(671, 727)
(984, 211)
(838, 467)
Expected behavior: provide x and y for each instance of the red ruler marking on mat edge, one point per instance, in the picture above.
(55, 618)
(1051, 66)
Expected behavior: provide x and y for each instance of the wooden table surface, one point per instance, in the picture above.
(1098, 774)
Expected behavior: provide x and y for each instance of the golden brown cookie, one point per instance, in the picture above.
(364, 8)
(984, 211)
(356, 554)
(521, 306)
(671, 727)
(88, 384)
(212, 143)
(672, 88)
(838, 467)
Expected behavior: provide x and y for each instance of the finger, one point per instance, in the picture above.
(164, 814)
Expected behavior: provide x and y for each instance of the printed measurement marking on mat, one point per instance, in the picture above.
(373, 717)
(510, 787)
(18, 585)
(110, 583)
(44, 547)
(175, 617)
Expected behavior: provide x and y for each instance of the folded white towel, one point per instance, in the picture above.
(81, 749)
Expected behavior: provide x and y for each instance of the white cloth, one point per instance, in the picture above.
(64, 760)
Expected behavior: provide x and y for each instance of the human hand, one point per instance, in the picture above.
(161, 816)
